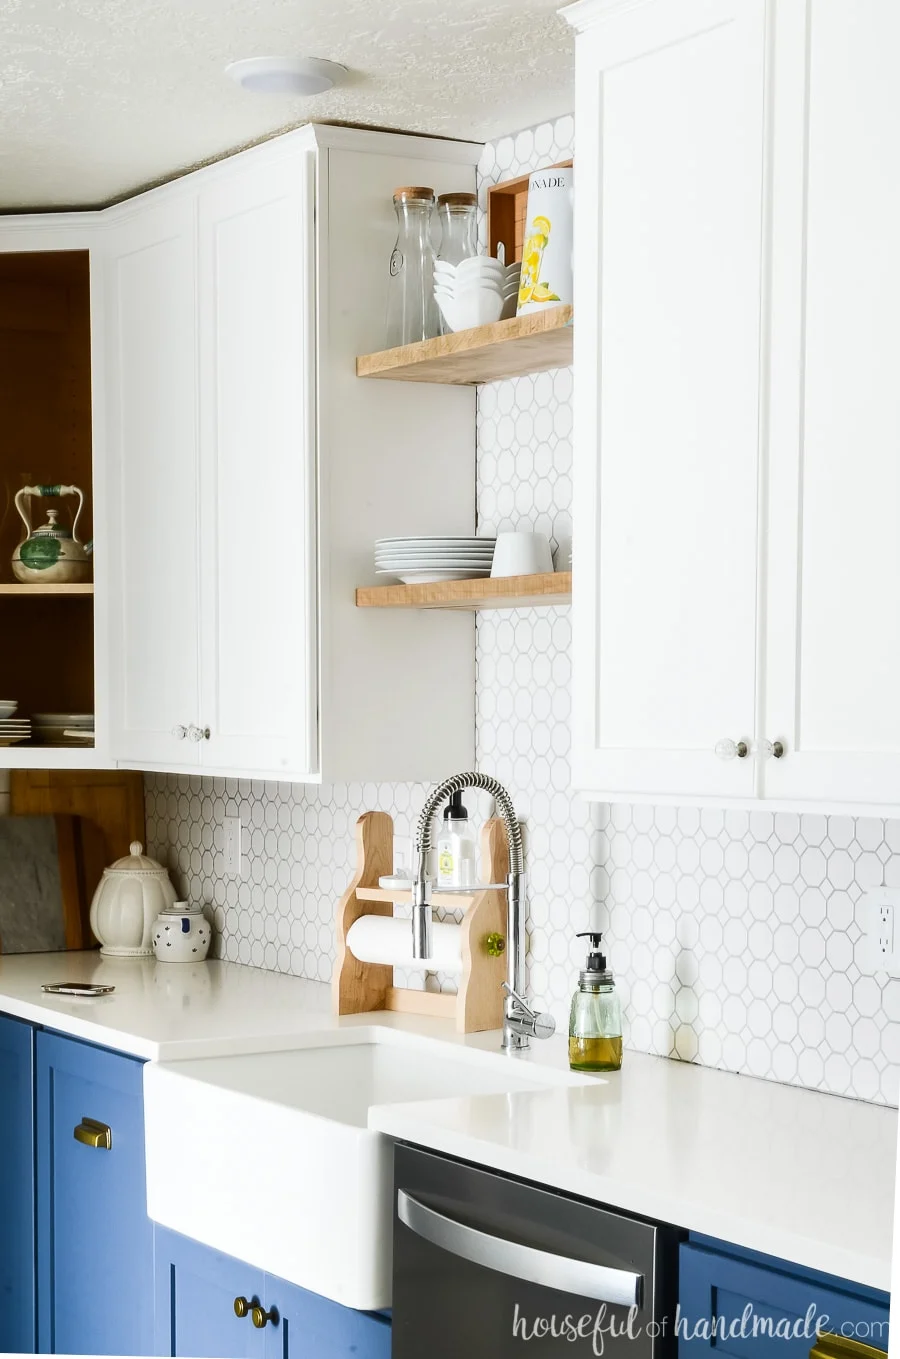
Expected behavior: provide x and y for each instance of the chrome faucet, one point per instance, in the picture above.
(520, 1021)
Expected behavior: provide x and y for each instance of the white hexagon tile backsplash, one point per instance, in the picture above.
(732, 934)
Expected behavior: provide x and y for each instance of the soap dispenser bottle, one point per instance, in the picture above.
(595, 1022)
(457, 865)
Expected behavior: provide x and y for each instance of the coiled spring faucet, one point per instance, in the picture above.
(520, 1022)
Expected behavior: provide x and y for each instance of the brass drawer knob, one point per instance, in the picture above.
(90, 1133)
(241, 1308)
(260, 1317)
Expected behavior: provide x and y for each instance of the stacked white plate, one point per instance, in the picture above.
(63, 729)
(12, 729)
(423, 561)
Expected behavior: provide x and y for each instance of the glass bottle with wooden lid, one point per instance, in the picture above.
(457, 214)
(412, 313)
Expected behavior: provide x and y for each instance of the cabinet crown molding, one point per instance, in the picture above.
(584, 15)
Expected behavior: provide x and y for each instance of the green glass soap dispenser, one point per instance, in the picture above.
(595, 1022)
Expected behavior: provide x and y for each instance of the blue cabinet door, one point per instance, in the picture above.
(95, 1241)
(312, 1327)
(17, 1315)
(738, 1304)
(196, 1289)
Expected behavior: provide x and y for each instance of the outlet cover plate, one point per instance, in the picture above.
(231, 845)
(878, 916)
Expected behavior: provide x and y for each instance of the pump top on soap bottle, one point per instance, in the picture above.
(595, 1020)
(457, 863)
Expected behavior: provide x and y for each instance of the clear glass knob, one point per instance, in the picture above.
(726, 749)
(179, 733)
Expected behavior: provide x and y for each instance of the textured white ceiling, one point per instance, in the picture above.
(101, 97)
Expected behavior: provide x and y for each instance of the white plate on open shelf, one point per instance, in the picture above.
(433, 577)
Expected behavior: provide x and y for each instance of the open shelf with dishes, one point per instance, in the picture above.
(432, 572)
(47, 657)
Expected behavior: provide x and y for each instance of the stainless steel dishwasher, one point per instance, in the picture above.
(489, 1267)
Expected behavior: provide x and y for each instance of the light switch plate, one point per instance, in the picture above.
(878, 915)
(231, 845)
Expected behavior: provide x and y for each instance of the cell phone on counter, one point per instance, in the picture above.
(76, 989)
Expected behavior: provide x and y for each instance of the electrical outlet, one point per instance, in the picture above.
(876, 913)
(231, 845)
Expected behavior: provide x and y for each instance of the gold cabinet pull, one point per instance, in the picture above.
(93, 1134)
(241, 1307)
(829, 1346)
(260, 1317)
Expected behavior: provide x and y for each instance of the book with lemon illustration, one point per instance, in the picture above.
(531, 289)
(546, 277)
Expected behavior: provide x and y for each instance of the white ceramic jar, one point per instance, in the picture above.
(130, 895)
(181, 935)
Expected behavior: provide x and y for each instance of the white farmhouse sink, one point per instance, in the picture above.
(268, 1158)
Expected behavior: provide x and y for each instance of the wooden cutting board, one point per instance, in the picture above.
(94, 814)
(43, 899)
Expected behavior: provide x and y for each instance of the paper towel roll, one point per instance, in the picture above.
(382, 939)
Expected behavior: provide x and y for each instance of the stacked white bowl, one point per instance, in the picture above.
(476, 291)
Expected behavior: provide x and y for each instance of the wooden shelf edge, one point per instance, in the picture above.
(512, 348)
(18, 589)
(505, 592)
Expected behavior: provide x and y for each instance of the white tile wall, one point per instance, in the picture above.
(733, 935)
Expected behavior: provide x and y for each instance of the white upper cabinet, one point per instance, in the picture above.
(833, 640)
(670, 118)
(737, 435)
(252, 472)
(257, 466)
(151, 391)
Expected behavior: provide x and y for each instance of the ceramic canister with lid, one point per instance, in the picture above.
(131, 894)
(181, 935)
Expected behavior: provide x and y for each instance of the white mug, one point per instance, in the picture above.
(522, 553)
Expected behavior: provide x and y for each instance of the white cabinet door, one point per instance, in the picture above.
(257, 384)
(151, 383)
(834, 574)
(670, 109)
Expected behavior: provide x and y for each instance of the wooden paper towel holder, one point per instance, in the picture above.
(358, 987)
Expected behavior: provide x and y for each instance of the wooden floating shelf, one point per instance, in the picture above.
(513, 348)
(505, 592)
(18, 589)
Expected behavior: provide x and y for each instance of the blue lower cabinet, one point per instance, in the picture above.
(316, 1328)
(196, 1292)
(17, 1292)
(735, 1302)
(95, 1241)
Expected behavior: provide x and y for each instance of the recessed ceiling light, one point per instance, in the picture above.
(285, 75)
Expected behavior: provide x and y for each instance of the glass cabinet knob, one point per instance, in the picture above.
(727, 749)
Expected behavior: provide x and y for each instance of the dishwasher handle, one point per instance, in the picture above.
(578, 1277)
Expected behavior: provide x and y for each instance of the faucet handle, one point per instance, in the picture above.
(519, 1000)
(540, 1025)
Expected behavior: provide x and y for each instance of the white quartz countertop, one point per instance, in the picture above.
(164, 1011)
(792, 1173)
(789, 1172)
